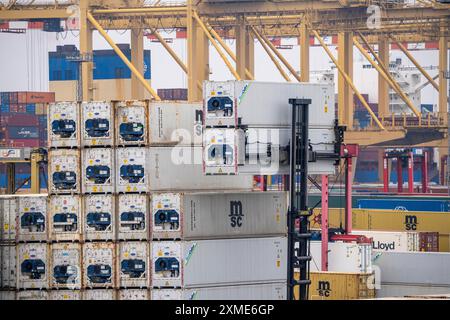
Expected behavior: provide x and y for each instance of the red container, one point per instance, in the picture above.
(36, 25)
(429, 241)
(13, 108)
(23, 143)
(36, 97)
(22, 108)
(29, 120)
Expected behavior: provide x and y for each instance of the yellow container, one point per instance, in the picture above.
(340, 286)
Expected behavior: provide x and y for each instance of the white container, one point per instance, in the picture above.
(99, 294)
(257, 292)
(180, 169)
(343, 257)
(386, 241)
(175, 123)
(99, 217)
(99, 265)
(218, 215)
(64, 171)
(65, 295)
(98, 170)
(32, 266)
(132, 123)
(65, 266)
(32, 218)
(209, 263)
(97, 124)
(32, 295)
(134, 294)
(66, 223)
(8, 265)
(8, 218)
(132, 170)
(7, 295)
(132, 217)
(63, 125)
(133, 264)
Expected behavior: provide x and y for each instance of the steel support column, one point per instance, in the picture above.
(241, 47)
(410, 172)
(35, 173)
(348, 194)
(10, 178)
(137, 58)
(443, 68)
(385, 174)
(345, 92)
(304, 52)
(425, 172)
(399, 175)
(87, 73)
(324, 223)
(383, 86)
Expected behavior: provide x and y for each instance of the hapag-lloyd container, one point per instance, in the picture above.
(218, 215)
(66, 295)
(64, 171)
(212, 263)
(8, 219)
(8, 267)
(99, 294)
(32, 218)
(99, 265)
(132, 169)
(99, 218)
(63, 125)
(98, 174)
(256, 292)
(97, 124)
(179, 168)
(66, 223)
(65, 266)
(32, 266)
(175, 123)
(132, 217)
(133, 264)
(392, 241)
(134, 294)
(132, 123)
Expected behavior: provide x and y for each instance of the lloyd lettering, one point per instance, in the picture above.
(236, 214)
(383, 246)
(411, 223)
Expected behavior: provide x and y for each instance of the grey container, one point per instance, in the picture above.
(32, 218)
(7, 295)
(63, 125)
(180, 169)
(131, 123)
(8, 267)
(212, 263)
(401, 290)
(32, 295)
(99, 294)
(64, 174)
(65, 295)
(98, 174)
(218, 215)
(97, 124)
(8, 219)
(99, 218)
(33, 266)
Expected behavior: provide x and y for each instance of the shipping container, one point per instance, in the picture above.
(133, 264)
(208, 263)
(64, 171)
(392, 241)
(402, 290)
(99, 294)
(405, 205)
(343, 257)
(32, 218)
(32, 266)
(65, 295)
(26, 120)
(32, 295)
(429, 241)
(65, 266)
(64, 125)
(21, 132)
(35, 97)
(99, 217)
(134, 294)
(7, 295)
(97, 124)
(180, 169)
(132, 216)
(98, 170)
(8, 219)
(132, 123)
(218, 215)
(173, 94)
(132, 170)
(65, 218)
(255, 292)
(176, 123)
(8, 267)
(99, 265)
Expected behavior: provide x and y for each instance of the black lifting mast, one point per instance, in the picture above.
(299, 237)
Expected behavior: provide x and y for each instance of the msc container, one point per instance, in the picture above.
(340, 286)
(99, 217)
(218, 215)
(134, 294)
(64, 171)
(132, 216)
(98, 265)
(8, 219)
(8, 267)
(32, 218)
(132, 123)
(99, 294)
(180, 169)
(32, 266)
(343, 257)
(65, 295)
(63, 125)
(65, 218)
(174, 123)
(32, 295)
(97, 124)
(133, 264)
(256, 292)
(132, 170)
(208, 263)
(65, 266)
(7, 295)
(405, 204)
(98, 170)
(392, 241)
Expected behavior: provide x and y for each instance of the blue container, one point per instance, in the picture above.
(23, 132)
(31, 108)
(4, 97)
(405, 204)
(4, 109)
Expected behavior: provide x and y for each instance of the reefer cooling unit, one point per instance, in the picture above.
(132, 122)
(99, 217)
(97, 124)
(32, 218)
(99, 265)
(132, 216)
(132, 170)
(64, 171)
(98, 170)
(66, 222)
(32, 266)
(63, 125)
(65, 266)
(133, 264)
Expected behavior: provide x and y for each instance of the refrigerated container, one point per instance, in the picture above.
(393, 290)
(32, 218)
(99, 217)
(99, 294)
(133, 294)
(196, 215)
(8, 219)
(97, 124)
(32, 266)
(8, 266)
(65, 266)
(32, 295)
(65, 295)
(64, 171)
(98, 171)
(99, 265)
(209, 263)
(7, 295)
(132, 123)
(65, 217)
(63, 125)
(132, 217)
(133, 264)
(391, 241)
(132, 170)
